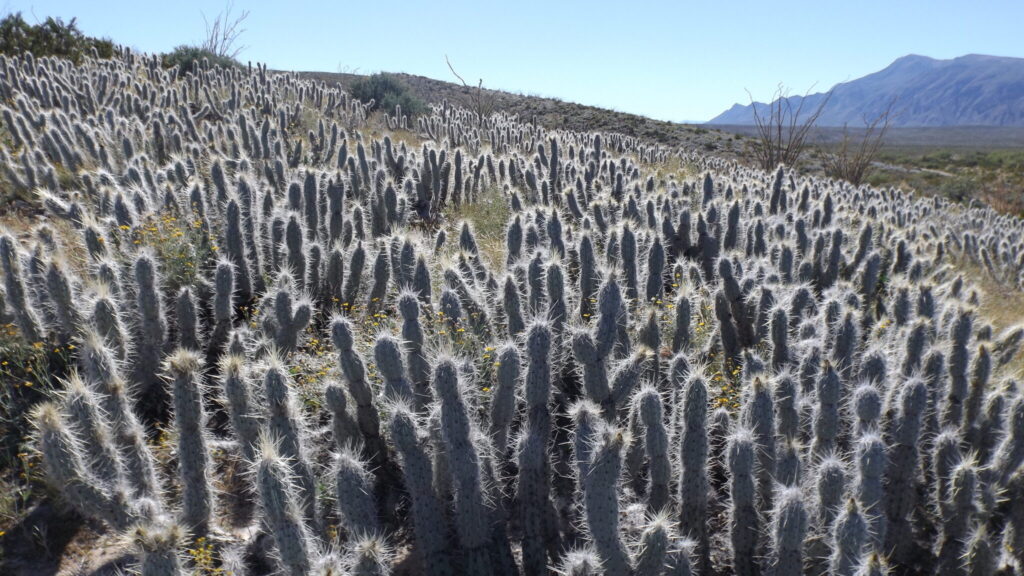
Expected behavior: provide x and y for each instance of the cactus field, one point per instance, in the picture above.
(251, 328)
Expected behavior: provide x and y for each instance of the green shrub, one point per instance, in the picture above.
(387, 91)
(51, 38)
(189, 58)
(960, 188)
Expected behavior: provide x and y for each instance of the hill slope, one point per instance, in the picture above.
(973, 90)
(556, 114)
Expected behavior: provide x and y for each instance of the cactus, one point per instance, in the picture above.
(14, 291)
(849, 539)
(346, 430)
(534, 468)
(388, 354)
(285, 426)
(654, 547)
(649, 405)
(158, 548)
(826, 415)
(99, 368)
(601, 500)
(789, 524)
(185, 311)
(759, 415)
(956, 394)
(87, 422)
(241, 407)
(744, 527)
(61, 455)
(428, 518)
(957, 512)
(354, 369)
(512, 308)
(286, 317)
(369, 556)
(415, 355)
(693, 483)
(871, 461)
(235, 250)
(503, 399)
(583, 562)
(471, 515)
(902, 469)
(223, 309)
(682, 331)
(282, 511)
(193, 455)
(354, 490)
(152, 328)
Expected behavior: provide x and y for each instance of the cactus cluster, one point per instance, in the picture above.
(737, 372)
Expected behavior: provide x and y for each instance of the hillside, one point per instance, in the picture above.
(557, 114)
(254, 329)
(973, 90)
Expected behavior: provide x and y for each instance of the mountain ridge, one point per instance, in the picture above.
(969, 90)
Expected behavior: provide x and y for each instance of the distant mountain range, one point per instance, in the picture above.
(972, 90)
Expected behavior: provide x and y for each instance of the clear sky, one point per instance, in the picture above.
(681, 60)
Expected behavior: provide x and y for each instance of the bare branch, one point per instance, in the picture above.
(783, 129)
(484, 105)
(852, 162)
(223, 33)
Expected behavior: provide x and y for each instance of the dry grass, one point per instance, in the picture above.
(1001, 306)
(489, 215)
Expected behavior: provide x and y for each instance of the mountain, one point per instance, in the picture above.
(972, 90)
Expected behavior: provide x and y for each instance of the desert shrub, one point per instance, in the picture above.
(188, 58)
(959, 188)
(387, 91)
(53, 37)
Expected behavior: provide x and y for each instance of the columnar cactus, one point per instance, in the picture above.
(285, 426)
(956, 393)
(152, 330)
(871, 461)
(849, 539)
(651, 411)
(471, 514)
(826, 414)
(24, 315)
(241, 405)
(64, 467)
(744, 526)
(286, 316)
(100, 370)
(759, 416)
(354, 490)
(601, 500)
(193, 456)
(902, 470)
(534, 468)
(428, 516)
(87, 421)
(280, 501)
(223, 309)
(654, 547)
(159, 549)
(693, 458)
(387, 352)
(354, 370)
(957, 512)
(188, 320)
(789, 525)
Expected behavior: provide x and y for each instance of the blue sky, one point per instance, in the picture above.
(677, 60)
